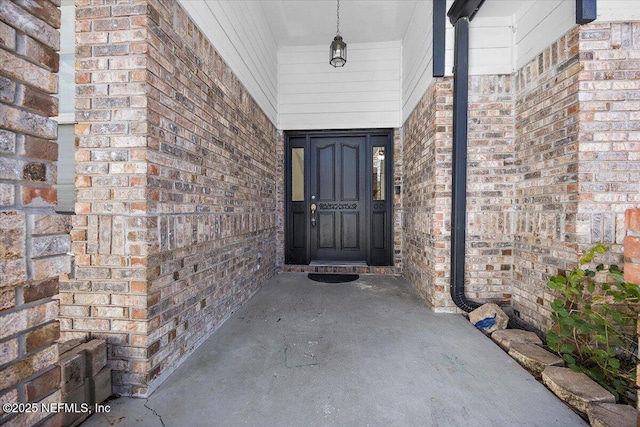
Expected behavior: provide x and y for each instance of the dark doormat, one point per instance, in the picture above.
(333, 278)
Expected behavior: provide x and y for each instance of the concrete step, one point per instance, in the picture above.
(575, 388)
(504, 338)
(533, 357)
(612, 415)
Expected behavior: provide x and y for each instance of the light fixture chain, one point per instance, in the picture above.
(338, 20)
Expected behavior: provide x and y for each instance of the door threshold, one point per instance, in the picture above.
(338, 264)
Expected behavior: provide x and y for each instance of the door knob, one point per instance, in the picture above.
(313, 214)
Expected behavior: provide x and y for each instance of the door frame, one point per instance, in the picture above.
(301, 255)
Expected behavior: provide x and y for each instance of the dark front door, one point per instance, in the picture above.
(338, 192)
(338, 199)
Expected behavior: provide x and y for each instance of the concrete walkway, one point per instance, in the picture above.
(365, 353)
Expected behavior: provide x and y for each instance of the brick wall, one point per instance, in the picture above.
(35, 241)
(553, 165)
(546, 193)
(490, 188)
(176, 167)
(577, 155)
(427, 192)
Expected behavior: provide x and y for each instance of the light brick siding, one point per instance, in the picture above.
(546, 175)
(553, 165)
(584, 98)
(34, 240)
(427, 194)
(175, 192)
(427, 191)
(490, 188)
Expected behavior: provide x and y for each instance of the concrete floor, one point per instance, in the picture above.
(365, 353)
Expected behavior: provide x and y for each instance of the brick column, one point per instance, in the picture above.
(175, 165)
(108, 296)
(35, 241)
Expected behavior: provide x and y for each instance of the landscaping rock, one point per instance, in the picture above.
(504, 338)
(612, 415)
(536, 359)
(489, 318)
(575, 388)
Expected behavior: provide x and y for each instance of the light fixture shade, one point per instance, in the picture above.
(338, 52)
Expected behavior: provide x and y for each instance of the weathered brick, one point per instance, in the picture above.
(7, 141)
(43, 336)
(27, 367)
(7, 299)
(7, 36)
(43, 384)
(50, 245)
(50, 223)
(7, 90)
(28, 72)
(40, 290)
(40, 53)
(22, 121)
(29, 24)
(39, 101)
(8, 351)
(40, 149)
(39, 196)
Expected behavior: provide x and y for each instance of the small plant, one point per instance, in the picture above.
(594, 324)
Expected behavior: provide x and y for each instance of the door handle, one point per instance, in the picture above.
(313, 214)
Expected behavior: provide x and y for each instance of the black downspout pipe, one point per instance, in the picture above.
(459, 164)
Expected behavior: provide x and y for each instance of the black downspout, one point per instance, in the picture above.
(459, 164)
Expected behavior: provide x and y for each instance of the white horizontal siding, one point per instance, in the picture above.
(490, 46)
(365, 93)
(240, 33)
(491, 51)
(539, 23)
(417, 57)
(618, 10)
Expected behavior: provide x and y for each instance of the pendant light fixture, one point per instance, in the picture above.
(338, 48)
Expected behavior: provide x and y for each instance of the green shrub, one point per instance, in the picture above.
(594, 324)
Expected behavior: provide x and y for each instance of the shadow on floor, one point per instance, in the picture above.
(364, 353)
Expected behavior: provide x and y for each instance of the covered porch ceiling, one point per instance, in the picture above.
(313, 22)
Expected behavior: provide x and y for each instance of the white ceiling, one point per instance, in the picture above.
(313, 22)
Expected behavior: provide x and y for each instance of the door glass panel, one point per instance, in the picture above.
(297, 174)
(379, 190)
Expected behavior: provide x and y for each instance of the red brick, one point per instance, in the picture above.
(39, 101)
(40, 149)
(39, 196)
(44, 384)
(42, 54)
(632, 219)
(632, 247)
(632, 273)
